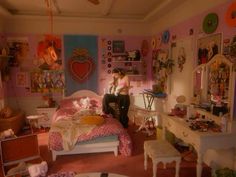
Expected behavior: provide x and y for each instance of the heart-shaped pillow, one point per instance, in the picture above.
(80, 69)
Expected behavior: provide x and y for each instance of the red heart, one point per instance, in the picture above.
(80, 69)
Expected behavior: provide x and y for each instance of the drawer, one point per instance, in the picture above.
(188, 136)
(170, 125)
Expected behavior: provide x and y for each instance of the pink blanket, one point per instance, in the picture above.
(110, 127)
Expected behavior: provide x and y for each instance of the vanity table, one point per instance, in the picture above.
(201, 141)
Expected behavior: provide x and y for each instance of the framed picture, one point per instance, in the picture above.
(21, 79)
(208, 47)
(49, 80)
(118, 46)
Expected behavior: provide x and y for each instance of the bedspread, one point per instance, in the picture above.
(110, 126)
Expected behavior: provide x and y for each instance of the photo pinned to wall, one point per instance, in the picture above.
(52, 81)
(208, 47)
(18, 50)
(229, 49)
(118, 46)
(21, 79)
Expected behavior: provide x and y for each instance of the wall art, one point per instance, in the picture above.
(208, 47)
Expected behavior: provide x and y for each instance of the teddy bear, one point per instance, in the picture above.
(38, 170)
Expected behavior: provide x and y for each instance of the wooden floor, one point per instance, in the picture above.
(106, 162)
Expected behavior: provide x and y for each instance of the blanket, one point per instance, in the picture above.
(70, 131)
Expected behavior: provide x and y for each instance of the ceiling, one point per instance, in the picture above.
(137, 10)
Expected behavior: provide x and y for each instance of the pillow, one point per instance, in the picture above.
(92, 120)
(69, 102)
(6, 112)
(80, 102)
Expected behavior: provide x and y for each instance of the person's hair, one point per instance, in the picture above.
(119, 71)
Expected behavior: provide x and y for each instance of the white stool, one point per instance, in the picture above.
(161, 151)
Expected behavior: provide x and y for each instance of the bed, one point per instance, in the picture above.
(108, 135)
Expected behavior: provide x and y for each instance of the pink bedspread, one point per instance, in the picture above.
(110, 127)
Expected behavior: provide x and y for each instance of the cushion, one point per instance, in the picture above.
(92, 120)
(77, 102)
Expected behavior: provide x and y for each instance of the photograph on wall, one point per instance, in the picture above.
(118, 46)
(208, 47)
(49, 53)
(52, 81)
(229, 49)
(18, 50)
(21, 79)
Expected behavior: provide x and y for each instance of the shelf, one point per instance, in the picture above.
(134, 75)
(126, 61)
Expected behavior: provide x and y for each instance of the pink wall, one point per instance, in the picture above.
(131, 43)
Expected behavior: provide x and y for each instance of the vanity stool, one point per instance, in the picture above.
(161, 151)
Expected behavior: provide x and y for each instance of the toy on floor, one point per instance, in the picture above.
(7, 134)
(38, 170)
(21, 168)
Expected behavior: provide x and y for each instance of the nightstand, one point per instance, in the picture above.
(48, 113)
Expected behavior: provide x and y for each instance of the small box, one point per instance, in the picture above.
(17, 150)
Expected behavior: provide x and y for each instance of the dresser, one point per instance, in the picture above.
(48, 113)
(201, 141)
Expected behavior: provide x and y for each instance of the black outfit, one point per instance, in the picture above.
(123, 102)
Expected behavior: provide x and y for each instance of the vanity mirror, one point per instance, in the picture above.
(220, 84)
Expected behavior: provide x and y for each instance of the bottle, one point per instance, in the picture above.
(223, 122)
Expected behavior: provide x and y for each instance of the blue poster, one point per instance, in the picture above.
(81, 61)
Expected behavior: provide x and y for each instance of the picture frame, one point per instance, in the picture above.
(118, 46)
(208, 47)
(21, 79)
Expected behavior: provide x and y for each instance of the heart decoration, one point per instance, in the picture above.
(81, 69)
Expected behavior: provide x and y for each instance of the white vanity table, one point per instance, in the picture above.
(201, 141)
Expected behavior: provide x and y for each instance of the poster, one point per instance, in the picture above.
(18, 50)
(47, 81)
(208, 47)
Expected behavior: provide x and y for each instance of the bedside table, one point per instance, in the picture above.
(48, 113)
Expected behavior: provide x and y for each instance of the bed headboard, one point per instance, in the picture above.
(84, 93)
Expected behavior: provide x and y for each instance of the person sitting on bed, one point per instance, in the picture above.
(120, 96)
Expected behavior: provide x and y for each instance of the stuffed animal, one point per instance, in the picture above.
(85, 103)
(6, 134)
(38, 170)
(19, 169)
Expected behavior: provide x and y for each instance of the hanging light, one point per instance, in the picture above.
(51, 49)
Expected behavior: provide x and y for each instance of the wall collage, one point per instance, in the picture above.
(212, 33)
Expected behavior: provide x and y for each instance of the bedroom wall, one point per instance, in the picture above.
(131, 43)
(132, 33)
(185, 11)
(180, 32)
(28, 98)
